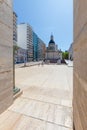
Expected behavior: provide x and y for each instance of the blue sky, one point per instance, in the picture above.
(46, 17)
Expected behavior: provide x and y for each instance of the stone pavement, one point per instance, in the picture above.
(69, 63)
(46, 102)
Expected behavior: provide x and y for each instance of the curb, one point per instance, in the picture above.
(17, 94)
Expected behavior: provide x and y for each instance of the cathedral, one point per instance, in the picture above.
(53, 55)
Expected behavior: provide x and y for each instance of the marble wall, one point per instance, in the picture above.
(6, 54)
(80, 65)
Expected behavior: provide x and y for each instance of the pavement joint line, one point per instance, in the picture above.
(68, 81)
(46, 79)
(46, 102)
(44, 82)
(39, 119)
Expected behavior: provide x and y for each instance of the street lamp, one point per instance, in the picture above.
(25, 59)
(15, 89)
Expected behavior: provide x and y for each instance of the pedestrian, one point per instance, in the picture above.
(38, 64)
(42, 63)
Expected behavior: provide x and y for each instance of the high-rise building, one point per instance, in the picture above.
(14, 28)
(25, 39)
(35, 47)
(41, 49)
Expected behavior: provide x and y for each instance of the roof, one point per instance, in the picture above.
(51, 39)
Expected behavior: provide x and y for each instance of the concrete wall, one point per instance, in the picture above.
(6, 54)
(80, 64)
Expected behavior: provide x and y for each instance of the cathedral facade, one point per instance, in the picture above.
(53, 55)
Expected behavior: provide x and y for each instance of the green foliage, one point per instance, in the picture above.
(65, 55)
(15, 48)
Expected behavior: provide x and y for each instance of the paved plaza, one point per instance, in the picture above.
(46, 102)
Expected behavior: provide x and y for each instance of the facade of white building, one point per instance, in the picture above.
(25, 39)
(71, 52)
(21, 55)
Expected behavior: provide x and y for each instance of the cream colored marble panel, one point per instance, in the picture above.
(44, 111)
(6, 101)
(6, 35)
(9, 2)
(6, 54)
(6, 58)
(14, 121)
(4, 78)
(6, 15)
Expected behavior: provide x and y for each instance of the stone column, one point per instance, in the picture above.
(80, 65)
(6, 54)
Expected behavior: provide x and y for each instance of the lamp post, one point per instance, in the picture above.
(15, 89)
(25, 59)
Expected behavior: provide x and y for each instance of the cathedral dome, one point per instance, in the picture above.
(51, 40)
(51, 46)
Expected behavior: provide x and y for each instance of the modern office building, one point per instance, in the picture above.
(14, 28)
(25, 39)
(29, 40)
(6, 54)
(41, 49)
(35, 47)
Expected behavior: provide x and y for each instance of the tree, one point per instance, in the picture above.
(65, 55)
